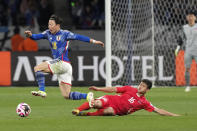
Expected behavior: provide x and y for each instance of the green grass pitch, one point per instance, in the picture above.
(54, 113)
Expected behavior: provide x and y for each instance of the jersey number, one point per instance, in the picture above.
(54, 45)
(131, 100)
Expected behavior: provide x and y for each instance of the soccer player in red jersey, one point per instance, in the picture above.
(128, 101)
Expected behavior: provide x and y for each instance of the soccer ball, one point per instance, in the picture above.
(23, 109)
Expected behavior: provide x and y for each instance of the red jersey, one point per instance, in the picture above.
(128, 101)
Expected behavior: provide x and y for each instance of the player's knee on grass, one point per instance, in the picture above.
(66, 95)
(97, 104)
(65, 90)
(109, 111)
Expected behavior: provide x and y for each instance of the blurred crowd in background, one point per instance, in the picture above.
(76, 15)
(85, 14)
(19, 15)
(25, 12)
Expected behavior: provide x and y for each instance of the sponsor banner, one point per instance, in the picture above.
(89, 68)
(132, 70)
(85, 68)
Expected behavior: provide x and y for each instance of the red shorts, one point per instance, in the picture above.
(106, 102)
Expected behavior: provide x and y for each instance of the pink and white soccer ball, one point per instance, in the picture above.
(23, 109)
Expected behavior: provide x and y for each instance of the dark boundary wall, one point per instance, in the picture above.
(88, 68)
(85, 68)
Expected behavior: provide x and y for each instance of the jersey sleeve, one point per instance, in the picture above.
(42, 35)
(149, 107)
(122, 89)
(73, 36)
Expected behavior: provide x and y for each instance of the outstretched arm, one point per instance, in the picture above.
(164, 112)
(72, 36)
(34, 36)
(106, 89)
(97, 42)
(87, 39)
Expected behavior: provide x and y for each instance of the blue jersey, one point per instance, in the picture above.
(59, 42)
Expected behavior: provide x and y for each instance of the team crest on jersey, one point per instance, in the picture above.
(58, 38)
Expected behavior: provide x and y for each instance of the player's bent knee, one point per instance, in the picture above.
(97, 104)
(109, 111)
(66, 96)
(41, 67)
(36, 68)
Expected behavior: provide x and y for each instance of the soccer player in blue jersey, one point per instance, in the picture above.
(60, 65)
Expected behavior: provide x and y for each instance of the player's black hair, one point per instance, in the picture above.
(191, 12)
(57, 19)
(148, 83)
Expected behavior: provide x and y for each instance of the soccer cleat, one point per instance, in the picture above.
(39, 93)
(187, 89)
(90, 98)
(75, 112)
(81, 113)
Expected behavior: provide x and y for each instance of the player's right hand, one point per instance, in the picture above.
(28, 33)
(99, 43)
(93, 88)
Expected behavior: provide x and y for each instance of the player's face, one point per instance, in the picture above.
(53, 27)
(191, 18)
(142, 88)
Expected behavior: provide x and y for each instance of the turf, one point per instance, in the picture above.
(54, 113)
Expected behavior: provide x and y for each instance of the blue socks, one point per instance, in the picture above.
(41, 80)
(41, 83)
(77, 96)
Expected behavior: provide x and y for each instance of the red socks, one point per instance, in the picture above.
(99, 112)
(84, 106)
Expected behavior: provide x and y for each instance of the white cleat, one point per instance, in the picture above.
(39, 93)
(90, 98)
(187, 89)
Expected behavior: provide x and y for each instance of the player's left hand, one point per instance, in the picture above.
(93, 88)
(177, 50)
(99, 43)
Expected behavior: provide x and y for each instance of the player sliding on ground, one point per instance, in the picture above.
(128, 101)
(60, 65)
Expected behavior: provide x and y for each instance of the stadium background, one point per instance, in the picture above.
(86, 17)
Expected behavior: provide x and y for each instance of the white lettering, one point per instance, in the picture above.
(146, 67)
(93, 67)
(23, 62)
(134, 58)
(161, 70)
(120, 66)
(131, 100)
